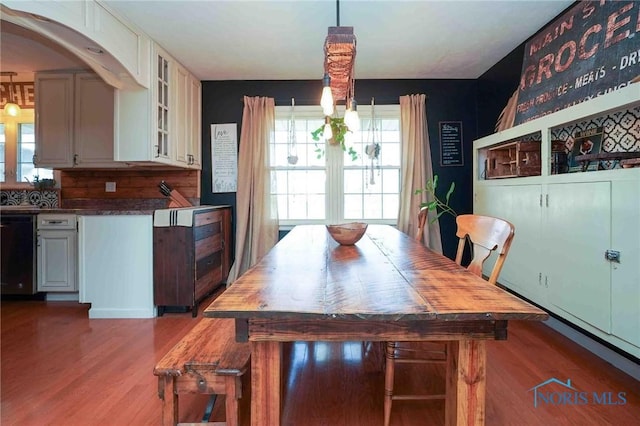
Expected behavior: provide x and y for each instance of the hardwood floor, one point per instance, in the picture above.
(60, 368)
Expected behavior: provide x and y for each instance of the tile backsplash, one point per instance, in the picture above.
(42, 198)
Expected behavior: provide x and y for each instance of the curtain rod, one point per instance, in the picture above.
(312, 102)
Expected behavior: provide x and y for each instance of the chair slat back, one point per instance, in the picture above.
(422, 220)
(486, 234)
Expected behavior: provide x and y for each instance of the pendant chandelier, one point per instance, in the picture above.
(339, 66)
(11, 107)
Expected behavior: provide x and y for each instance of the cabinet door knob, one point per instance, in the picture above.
(612, 256)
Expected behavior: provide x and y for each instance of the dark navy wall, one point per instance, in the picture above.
(447, 100)
(495, 87)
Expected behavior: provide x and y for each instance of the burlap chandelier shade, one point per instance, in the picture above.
(339, 61)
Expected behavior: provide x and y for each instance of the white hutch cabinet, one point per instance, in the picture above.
(569, 225)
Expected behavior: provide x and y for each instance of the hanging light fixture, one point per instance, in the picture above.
(339, 66)
(11, 107)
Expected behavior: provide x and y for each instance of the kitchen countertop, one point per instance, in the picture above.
(15, 210)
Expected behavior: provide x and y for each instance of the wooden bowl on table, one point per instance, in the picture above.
(347, 234)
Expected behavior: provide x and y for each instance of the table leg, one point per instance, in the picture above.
(266, 370)
(466, 383)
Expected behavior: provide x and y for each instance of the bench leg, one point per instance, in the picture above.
(169, 401)
(233, 392)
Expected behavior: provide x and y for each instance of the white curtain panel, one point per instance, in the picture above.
(256, 211)
(417, 168)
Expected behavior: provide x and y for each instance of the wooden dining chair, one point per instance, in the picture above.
(486, 234)
(422, 221)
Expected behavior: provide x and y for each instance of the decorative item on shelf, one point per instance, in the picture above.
(585, 142)
(372, 149)
(559, 162)
(347, 234)
(514, 159)
(11, 107)
(437, 204)
(292, 152)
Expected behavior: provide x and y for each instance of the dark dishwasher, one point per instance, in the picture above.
(18, 240)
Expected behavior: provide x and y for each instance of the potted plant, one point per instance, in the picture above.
(41, 184)
(339, 131)
(437, 203)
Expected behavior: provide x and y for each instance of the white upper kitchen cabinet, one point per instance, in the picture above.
(156, 126)
(188, 107)
(74, 121)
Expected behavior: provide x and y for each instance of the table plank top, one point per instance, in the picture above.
(386, 276)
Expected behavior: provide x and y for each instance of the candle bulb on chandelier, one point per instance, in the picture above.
(327, 133)
(351, 118)
(326, 101)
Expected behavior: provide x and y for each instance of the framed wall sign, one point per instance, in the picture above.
(451, 143)
(224, 157)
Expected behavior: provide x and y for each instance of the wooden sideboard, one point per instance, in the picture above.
(191, 255)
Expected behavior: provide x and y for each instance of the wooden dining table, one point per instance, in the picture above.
(386, 287)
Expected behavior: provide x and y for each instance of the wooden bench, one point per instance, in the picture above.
(208, 360)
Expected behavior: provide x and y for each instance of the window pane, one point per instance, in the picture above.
(390, 206)
(391, 181)
(25, 150)
(334, 188)
(372, 206)
(353, 207)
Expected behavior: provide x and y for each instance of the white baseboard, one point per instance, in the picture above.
(62, 297)
(121, 313)
(598, 349)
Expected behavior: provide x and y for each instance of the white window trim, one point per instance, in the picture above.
(334, 169)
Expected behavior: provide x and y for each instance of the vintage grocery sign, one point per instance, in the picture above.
(593, 49)
(23, 94)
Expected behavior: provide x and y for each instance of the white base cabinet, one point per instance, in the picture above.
(56, 253)
(115, 255)
(569, 229)
(563, 232)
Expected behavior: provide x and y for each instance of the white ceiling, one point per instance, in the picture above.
(283, 40)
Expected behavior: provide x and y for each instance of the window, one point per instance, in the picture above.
(17, 146)
(333, 188)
